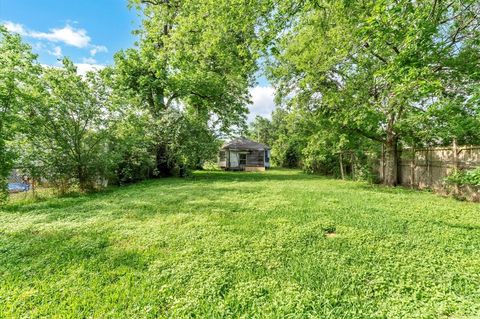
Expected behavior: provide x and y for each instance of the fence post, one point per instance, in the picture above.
(412, 169)
(455, 155)
(455, 163)
(427, 161)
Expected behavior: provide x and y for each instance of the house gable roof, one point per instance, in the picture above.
(241, 143)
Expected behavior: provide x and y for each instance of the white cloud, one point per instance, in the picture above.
(47, 66)
(57, 52)
(262, 102)
(98, 48)
(89, 60)
(14, 27)
(83, 68)
(38, 46)
(68, 34)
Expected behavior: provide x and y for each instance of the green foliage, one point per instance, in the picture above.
(250, 245)
(157, 110)
(262, 130)
(190, 140)
(305, 139)
(211, 165)
(18, 72)
(131, 143)
(4, 171)
(282, 136)
(68, 129)
(198, 58)
(388, 71)
(465, 178)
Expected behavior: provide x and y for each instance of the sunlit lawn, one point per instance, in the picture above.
(274, 245)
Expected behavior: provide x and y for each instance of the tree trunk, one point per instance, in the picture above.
(157, 107)
(342, 173)
(82, 179)
(390, 177)
(352, 158)
(163, 167)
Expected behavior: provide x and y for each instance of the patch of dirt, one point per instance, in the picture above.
(331, 235)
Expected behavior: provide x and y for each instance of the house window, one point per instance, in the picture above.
(222, 156)
(243, 159)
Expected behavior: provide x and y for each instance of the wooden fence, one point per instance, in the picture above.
(428, 167)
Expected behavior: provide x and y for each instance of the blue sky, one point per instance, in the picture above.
(89, 32)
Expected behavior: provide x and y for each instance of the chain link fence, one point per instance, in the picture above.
(18, 182)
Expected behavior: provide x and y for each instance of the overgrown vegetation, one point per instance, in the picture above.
(158, 111)
(356, 75)
(274, 245)
(350, 76)
(16, 74)
(465, 178)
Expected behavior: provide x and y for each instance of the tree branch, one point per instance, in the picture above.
(170, 100)
(394, 48)
(367, 46)
(151, 2)
(434, 8)
(368, 135)
(454, 38)
(455, 16)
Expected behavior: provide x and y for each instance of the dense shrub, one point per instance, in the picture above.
(67, 130)
(465, 178)
(131, 144)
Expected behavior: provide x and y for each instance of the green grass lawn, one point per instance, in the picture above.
(274, 245)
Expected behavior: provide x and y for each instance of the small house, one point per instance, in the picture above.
(242, 154)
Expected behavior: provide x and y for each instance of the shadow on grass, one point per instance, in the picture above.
(144, 195)
(379, 188)
(269, 175)
(158, 195)
(31, 249)
(58, 201)
(463, 227)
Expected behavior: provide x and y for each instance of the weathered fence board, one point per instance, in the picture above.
(428, 167)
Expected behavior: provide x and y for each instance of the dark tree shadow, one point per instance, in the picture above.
(143, 194)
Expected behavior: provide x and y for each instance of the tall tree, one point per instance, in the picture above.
(262, 130)
(198, 55)
(18, 72)
(68, 127)
(377, 68)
